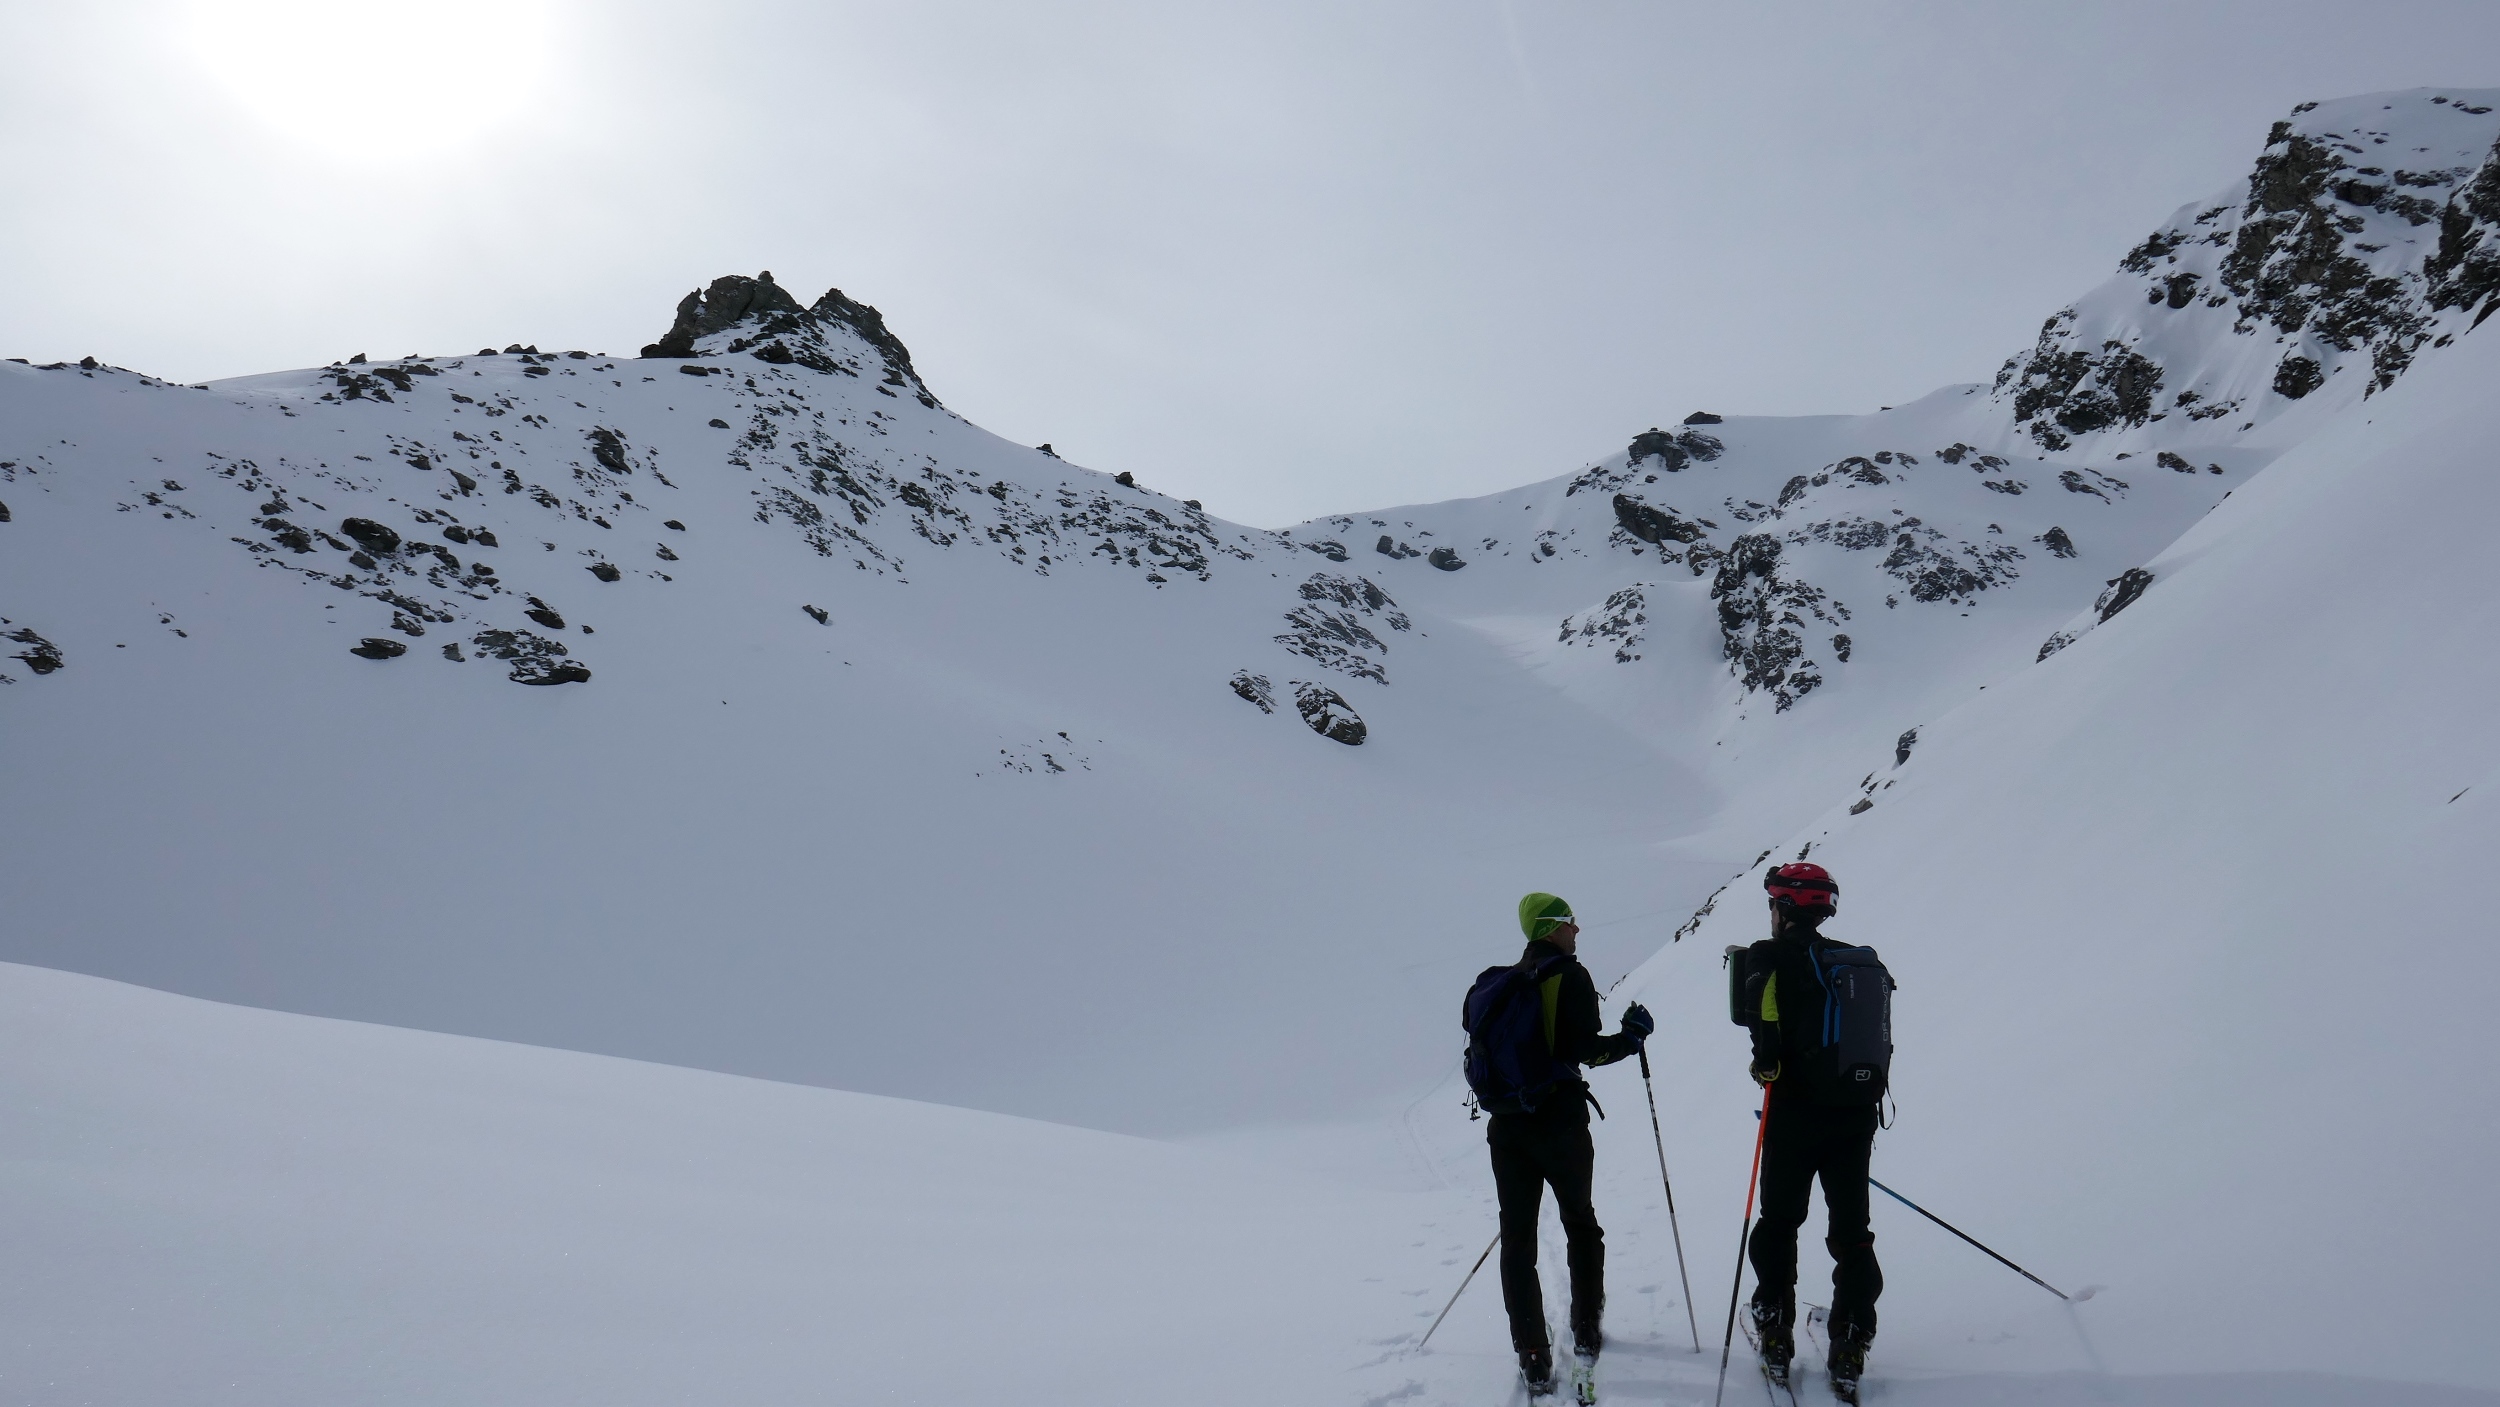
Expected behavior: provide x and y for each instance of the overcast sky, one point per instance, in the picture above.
(1288, 258)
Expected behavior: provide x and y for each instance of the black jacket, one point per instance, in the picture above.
(1573, 1028)
(1784, 1002)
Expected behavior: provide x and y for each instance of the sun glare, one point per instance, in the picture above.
(374, 82)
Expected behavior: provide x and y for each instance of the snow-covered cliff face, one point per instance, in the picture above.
(2368, 230)
(818, 672)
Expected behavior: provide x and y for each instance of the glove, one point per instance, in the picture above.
(1637, 1022)
(1764, 1072)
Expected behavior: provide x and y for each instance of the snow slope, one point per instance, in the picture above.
(2184, 922)
(1021, 795)
(211, 1204)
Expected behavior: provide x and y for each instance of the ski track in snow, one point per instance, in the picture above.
(914, 762)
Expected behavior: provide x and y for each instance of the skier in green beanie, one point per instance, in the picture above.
(1539, 1129)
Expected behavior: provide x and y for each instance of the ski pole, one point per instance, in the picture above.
(1660, 1140)
(1753, 1179)
(1949, 1226)
(1462, 1289)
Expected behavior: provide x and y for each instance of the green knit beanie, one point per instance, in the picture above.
(1541, 914)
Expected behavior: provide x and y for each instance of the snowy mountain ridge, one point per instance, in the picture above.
(864, 749)
(771, 504)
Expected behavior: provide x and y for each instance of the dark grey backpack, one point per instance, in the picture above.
(1853, 1063)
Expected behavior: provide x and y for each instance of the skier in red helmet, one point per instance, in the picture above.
(1820, 1017)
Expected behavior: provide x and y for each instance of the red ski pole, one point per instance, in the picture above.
(1727, 1342)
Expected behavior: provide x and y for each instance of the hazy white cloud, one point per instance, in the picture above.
(452, 71)
(1288, 258)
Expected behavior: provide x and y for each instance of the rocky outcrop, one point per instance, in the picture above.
(2123, 591)
(870, 326)
(2464, 271)
(1674, 451)
(775, 329)
(1254, 689)
(1328, 714)
(1622, 622)
(728, 301)
(370, 535)
(1653, 525)
(2326, 258)
(534, 658)
(40, 655)
(1330, 628)
(1762, 620)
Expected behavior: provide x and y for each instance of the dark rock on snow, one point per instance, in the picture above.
(2123, 591)
(2296, 377)
(1253, 688)
(40, 655)
(1328, 714)
(608, 448)
(1651, 524)
(715, 309)
(370, 535)
(375, 647)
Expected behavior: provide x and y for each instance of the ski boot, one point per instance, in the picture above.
(1536, 1369)
(1848, 1360)
(1769, 1325)
(1585, 1343)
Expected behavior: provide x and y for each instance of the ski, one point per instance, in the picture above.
(1774, 1379)
(1818, 1326)
(1546, 1394)
(1584, 1379)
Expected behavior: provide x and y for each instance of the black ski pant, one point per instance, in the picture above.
(1530, 1151)
(1804, 1142)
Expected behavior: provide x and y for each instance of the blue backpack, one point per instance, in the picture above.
(1509, 1065)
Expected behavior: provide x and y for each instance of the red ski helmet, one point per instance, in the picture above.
(1808, 887)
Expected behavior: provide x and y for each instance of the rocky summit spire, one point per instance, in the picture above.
(717, 308)
(771, 325)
